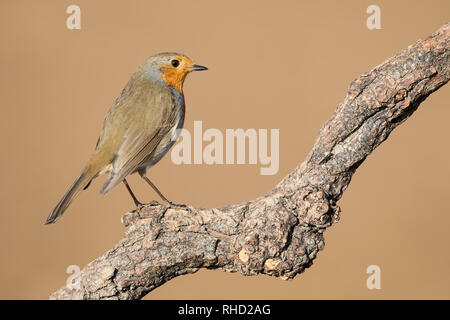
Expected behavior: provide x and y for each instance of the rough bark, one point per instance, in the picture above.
(280, 233)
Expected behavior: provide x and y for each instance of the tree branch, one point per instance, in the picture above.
(280, 233)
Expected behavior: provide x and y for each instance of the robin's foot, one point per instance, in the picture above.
(138, 204)
(175, 205)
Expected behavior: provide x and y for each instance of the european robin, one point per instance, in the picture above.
(139, 128)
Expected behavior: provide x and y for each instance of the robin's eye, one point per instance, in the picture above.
(175, 63)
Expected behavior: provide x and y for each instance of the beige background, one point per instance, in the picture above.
(285, 65)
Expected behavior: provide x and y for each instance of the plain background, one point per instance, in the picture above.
(273, 64)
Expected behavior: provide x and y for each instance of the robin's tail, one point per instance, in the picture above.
(81, 183)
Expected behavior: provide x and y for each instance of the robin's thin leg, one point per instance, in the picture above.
(142, 174)
(136, 201)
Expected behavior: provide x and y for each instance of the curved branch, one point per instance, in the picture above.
(280, 233)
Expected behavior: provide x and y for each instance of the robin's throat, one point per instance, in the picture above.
(174, 78)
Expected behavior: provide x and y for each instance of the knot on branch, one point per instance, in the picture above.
(281, 234)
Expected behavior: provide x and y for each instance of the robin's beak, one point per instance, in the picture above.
(196, 67)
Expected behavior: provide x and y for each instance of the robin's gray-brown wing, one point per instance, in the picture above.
(136, 146)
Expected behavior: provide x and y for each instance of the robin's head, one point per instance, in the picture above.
(171, 68)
